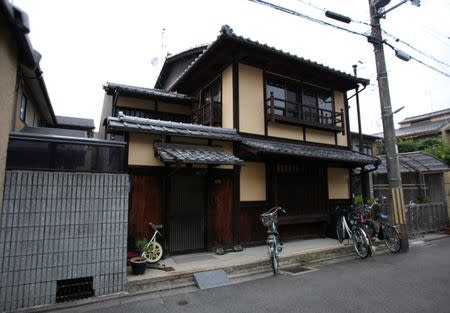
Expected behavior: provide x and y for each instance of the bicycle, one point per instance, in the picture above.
(361, 241)
(274, 244)
(385, 231)
(153, 250)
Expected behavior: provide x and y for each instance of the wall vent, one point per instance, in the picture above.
(74, 289)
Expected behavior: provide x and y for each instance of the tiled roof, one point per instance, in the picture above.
(191, 154)
(142, 91)
(308, 151)
(151, 126)
(425, 116)
(227, 32)
(423, 129)
(412, 162)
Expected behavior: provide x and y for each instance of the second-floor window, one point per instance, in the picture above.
(208, 111)
(297, 103)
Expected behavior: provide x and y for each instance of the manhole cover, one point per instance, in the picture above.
(297, 270)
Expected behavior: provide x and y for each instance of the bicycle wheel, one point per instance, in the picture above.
(360, 244)
(339, 230)
(273, 257)
(152, 252)
(392, 239)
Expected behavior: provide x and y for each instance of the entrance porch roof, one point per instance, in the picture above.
(195, 154)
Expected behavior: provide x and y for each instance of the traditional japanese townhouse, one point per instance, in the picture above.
(232, 129)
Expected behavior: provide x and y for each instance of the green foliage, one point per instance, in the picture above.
(359, 200)
(140, 244)
(407, 146)
(370, 201)
(434, 146)
(425, 199)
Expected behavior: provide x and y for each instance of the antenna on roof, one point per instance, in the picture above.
(156, 60)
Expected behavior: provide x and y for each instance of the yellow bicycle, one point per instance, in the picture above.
(153, 250)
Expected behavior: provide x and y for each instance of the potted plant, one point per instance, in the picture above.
(139, 263)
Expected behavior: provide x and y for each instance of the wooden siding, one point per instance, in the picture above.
(145, 204)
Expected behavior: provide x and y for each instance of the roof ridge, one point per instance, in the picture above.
(227, 31)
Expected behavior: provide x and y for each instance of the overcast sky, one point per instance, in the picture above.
(87, 43)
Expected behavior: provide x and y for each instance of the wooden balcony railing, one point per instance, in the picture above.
(281, 110)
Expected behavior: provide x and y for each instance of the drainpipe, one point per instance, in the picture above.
(364, 174)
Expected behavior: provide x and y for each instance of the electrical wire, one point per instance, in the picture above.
(415, 49)
(417, 60)
(324, 10)
(316, 20)
(312, 19)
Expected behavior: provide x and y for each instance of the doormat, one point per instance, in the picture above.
(211, 279)
(297, 270)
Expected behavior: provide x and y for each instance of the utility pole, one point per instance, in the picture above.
(390, 142)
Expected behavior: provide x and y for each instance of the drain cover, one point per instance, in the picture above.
(296, 270)
(211, 279)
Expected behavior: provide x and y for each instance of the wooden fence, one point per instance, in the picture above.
(428, 217)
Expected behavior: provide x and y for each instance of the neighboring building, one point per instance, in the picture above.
(23, 96)
(434, 124)
(425, 179)
(363, 184)
(422, 177)
(234, 128)
(76, 123)
(368, 142)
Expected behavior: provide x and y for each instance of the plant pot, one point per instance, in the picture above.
(138, 265)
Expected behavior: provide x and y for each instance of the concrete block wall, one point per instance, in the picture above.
(56, 226)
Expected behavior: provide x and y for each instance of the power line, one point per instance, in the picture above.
(415, 49)
(316, 20)
(417, 60)
(313, 19)
(324, 10)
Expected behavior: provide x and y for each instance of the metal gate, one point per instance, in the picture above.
(187, 213)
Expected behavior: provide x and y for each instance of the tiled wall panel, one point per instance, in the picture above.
(57, 225)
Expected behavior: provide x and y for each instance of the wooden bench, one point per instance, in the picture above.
(322, 219)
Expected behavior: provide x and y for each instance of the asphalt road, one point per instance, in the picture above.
(418, 281)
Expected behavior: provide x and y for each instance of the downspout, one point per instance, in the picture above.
(16, 98)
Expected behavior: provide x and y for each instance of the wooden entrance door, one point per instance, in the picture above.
(187, 213)
(221, 212)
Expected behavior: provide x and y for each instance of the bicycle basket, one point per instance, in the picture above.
(268, 218)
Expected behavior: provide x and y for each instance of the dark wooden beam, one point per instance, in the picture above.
(236, 95)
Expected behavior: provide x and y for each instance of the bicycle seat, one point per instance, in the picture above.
(155, 226)
(383, 217)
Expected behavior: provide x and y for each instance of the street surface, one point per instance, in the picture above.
(418, 281)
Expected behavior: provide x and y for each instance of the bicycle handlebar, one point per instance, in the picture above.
(275, 209)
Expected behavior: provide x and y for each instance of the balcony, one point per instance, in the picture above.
(283, 111)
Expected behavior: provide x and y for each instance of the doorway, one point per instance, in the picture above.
(187, 213)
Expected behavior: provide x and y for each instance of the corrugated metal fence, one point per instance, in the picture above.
(428, 217)
(58, 226)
